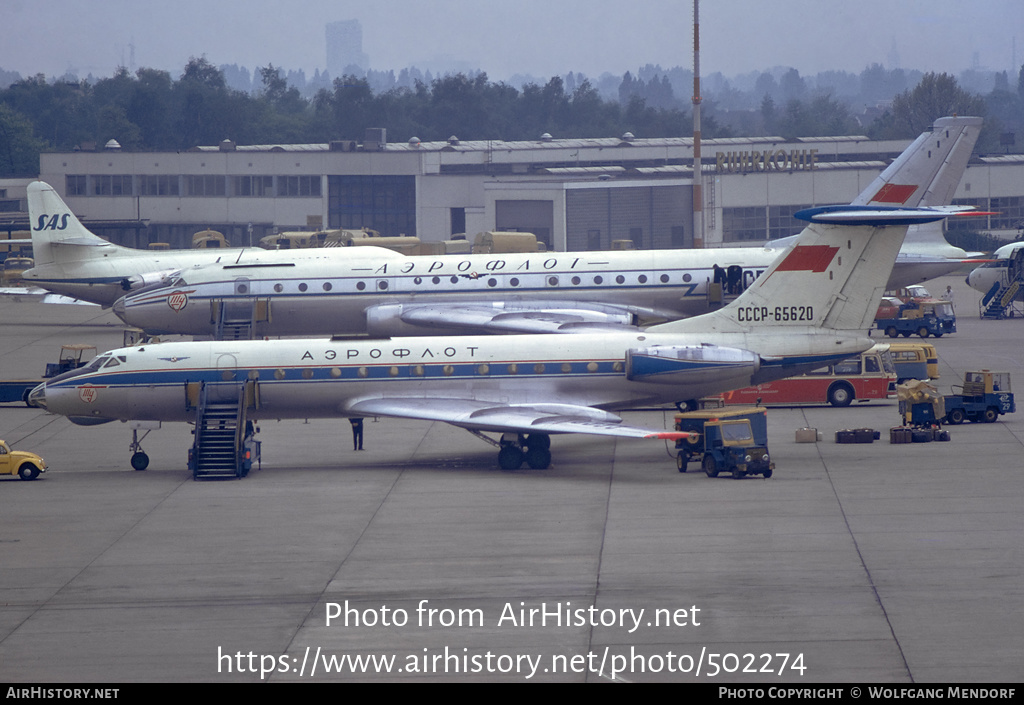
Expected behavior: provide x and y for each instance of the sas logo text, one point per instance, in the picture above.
(52, 222)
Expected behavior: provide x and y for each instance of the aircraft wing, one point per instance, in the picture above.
(512, 316)
(516, 418)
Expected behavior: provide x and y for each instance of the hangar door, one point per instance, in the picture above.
(537, 217)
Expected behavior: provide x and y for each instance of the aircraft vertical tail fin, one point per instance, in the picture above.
(57, 234)
(832, 278)
(928, 172)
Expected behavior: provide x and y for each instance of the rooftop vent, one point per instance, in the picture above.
(453, 140)
(112, 146)
(546, 137)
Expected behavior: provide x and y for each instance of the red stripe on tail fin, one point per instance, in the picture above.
(894, 193)
(808, 258)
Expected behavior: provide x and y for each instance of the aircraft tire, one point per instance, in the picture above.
(510, 458)
(538, 458)
(538, 440)
(139, 461)
(28, 471)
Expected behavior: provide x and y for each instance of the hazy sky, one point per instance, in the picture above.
(504, 37)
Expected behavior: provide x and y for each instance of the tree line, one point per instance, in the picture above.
(151, 111)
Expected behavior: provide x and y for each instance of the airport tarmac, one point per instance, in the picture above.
(853, 564)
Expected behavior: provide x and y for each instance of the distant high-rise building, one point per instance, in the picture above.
(345, 47)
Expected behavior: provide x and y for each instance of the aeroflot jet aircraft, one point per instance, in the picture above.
(386, 294)
(813, 305)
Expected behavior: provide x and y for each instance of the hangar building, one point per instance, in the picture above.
(574, 194)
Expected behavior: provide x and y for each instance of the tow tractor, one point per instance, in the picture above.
(927, 317)
(983, 396)
(71, 358)
(734, 440)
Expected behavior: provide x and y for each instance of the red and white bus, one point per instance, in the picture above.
(871, 375)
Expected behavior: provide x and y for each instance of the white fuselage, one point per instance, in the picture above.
(319, 297)
(314, 378)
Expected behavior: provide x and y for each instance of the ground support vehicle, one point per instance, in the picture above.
(984, 396)
(22, 463)
(733, 440)
(914, 361)
(12, 390)
(868, 376)
(924, 318)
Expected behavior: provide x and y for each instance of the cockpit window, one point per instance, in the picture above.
(115, 361)
(97, 363)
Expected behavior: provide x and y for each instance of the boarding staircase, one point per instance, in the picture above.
(999, 300)
(235, 320)
(222, 447)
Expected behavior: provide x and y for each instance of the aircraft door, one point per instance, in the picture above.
(225, 388)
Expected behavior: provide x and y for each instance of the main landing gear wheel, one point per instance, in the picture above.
(140, 461)
(535, 449)
(537, 457)
(510, 458)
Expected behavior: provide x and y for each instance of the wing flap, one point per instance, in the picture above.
(505, 317)
(516, 418)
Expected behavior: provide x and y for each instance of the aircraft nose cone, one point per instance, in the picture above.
(37, 397)
(118, 308)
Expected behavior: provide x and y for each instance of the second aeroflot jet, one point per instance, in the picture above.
(563, 292)
(813, 305)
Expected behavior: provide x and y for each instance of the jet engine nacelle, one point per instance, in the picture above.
(385, 321)
(683, 363)
(139, 281)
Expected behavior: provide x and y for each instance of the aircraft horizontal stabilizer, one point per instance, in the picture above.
(874, 216)
(521, 418)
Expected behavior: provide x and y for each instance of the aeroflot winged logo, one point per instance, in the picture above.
(177, 300)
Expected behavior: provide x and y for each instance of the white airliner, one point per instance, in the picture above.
(288, 293)
(813, 305)
(72, 261)
(1004, 270)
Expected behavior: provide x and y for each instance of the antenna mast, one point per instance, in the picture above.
(698, 175)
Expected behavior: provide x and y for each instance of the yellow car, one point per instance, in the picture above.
(25, 465)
